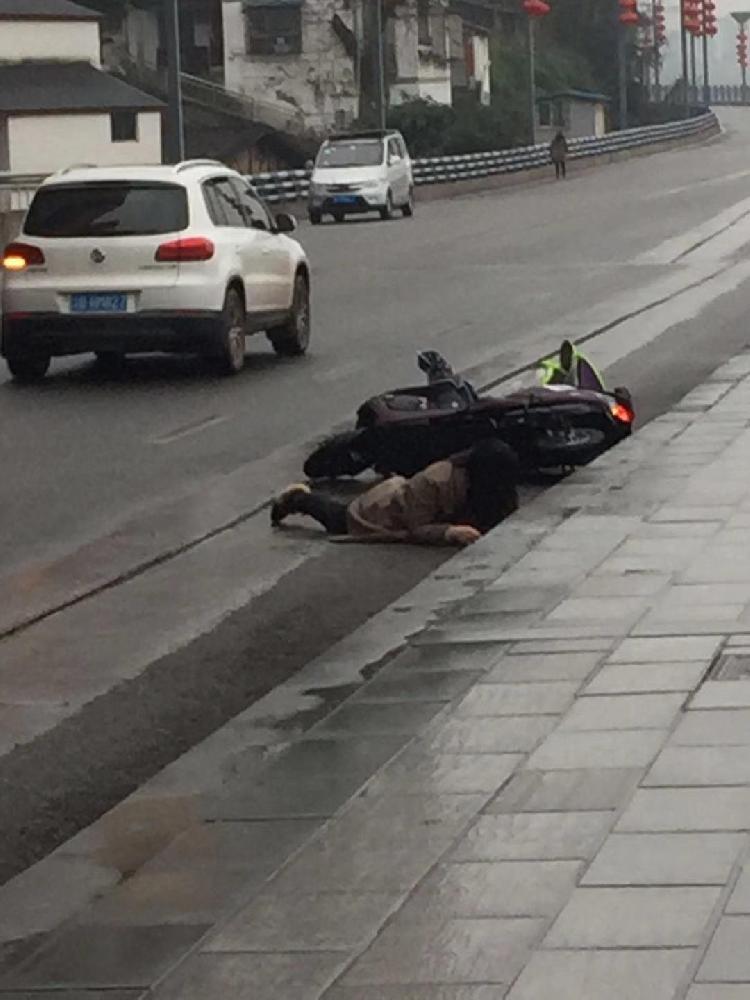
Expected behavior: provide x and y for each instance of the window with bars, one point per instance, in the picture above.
(273, 31)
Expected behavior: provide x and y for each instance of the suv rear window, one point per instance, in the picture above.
(107, 209)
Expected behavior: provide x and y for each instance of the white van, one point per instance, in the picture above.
(361, 172)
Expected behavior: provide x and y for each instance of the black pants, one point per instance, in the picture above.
(560, 168)
(328, 511)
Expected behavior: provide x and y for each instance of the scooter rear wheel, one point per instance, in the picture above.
(336, 456)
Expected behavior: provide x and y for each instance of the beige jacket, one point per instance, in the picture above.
(420, 509)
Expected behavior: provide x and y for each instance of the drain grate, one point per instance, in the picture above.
(730, 667)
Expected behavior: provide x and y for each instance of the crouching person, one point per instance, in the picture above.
(452, 502)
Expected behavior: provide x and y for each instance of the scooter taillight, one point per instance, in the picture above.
(622, 413)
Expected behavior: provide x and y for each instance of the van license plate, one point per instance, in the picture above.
(345, 199)
(98, 302)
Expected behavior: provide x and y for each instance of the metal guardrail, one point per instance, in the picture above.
(16, 190)
(293, 185)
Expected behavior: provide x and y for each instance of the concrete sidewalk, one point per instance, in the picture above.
(544, 794)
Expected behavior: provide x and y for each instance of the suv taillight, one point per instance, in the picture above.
(19, 256)
(191, 248)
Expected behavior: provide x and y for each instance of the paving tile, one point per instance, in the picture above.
(719, 991)
(104, 957)
(381, 844)
(491, 950)
(739, 901)
(541, 667)
(728, 957)
(418, 771)
(320, 921)
(73, 995)
(722, 694)
(549, 698)
(633, 585)
(438, 658)
(714, 728)
(640, 678)
(312, 778)
(419, 685)
(668, 650)
(570, 644)
(634, 918)
(638, 711)
(583, 609)
(364, 719)
(153, 898)
(493, 889)
(416, 992)
(262, 977)
(602, 975)
(687, 809)
(678, 766)
(254, 848)
(534, 836)
(515, 599)
(576, 750)
(490, 735)
(586, 790)
(665, 859)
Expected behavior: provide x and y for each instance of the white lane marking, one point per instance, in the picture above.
(705, 182)
(187, 430)
(339, 372)
(678, 247)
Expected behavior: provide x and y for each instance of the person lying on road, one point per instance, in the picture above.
(452, 502)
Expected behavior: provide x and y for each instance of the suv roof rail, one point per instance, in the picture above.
(77, 166)
(189, 164)
(376, 133)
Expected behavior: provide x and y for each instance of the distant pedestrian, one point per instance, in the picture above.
(558, 151)
(452, 502)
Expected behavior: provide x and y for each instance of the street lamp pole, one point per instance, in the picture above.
(380, 66)
(175, 138)
(742, 17)
(534, 9)
(532, 82)
(627, 18)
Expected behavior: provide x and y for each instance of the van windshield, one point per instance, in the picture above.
(107, 209)
(357, 153)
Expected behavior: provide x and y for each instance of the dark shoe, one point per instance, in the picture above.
(286, 503)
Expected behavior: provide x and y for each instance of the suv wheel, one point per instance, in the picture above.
(408, 209)
(28, 367)
(110, 361)
(315, 217)
(231, 354)
(386, 212)
(293, 337)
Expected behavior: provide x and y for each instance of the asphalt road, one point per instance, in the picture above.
(470, 277)
(479, 278)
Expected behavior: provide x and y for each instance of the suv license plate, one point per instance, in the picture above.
(98, 302)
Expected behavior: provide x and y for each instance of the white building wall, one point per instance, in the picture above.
(481, 46)
(421, 71)
(321, 82)
(44, 143)
(64, 40)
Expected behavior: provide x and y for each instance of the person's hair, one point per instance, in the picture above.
(492, 471)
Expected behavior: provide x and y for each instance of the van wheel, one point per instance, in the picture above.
(231, 353)
(293, 338)
(386, 212)
(110, 361)
(28, 367)
(338, 216)
(315, 217)
(408, 209)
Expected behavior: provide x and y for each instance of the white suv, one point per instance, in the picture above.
(361, 172)
(150, 259)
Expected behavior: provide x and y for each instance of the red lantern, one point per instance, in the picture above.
(629, 12)
(536, 8)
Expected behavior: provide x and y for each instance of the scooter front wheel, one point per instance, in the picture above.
(570, 447)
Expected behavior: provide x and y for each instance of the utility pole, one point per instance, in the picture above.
(622, 66)
(175, 138)
(532, 81)
(685, 72)
(372, 97)
(706, 82)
